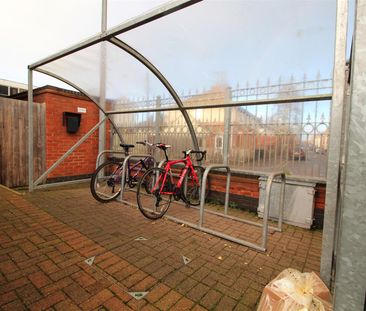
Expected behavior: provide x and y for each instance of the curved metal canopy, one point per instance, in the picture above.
(49, 65)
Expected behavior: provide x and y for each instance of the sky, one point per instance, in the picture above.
(221, 41)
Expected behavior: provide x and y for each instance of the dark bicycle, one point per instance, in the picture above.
(105, 183)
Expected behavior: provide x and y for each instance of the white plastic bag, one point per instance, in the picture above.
(292, 290)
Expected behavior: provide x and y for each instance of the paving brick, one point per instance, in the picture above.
(174, 278)
(108, 262)
(13, 285)
(39, 279)
(56, 286)
(97, 300)
(18, 256)
(63, 248)
(66, 305)
(228, 291)
(116, 267)
(7, 297)
(225, 304)
(242, 307)
(28, 294)
(76, 293)
(64, 273)
(15, 305)
(48, 301)
(8, 267)
(137, 304)
(157, 292)
(134, 279)
(120, 293)
(48, 266)
(144, 285)
(125, 272)
(186, 285)
(83, 278)
(198, 308)
(114, 304)
(182, 305)
(168, 300)
(251, 298)
(149, 307)
(197, 292)
(211, 299)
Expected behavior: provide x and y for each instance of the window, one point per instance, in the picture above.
(4, 90)
(13, 90)
(218, 142)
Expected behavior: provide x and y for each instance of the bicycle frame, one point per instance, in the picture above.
(188, 166)
(144, 164)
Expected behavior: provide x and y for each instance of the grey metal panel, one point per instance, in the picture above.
(298, 205)
(334, 149)
(150, 16)
(350, 281)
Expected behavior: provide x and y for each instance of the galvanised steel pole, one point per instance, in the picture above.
(334, 150)
(102, 85)
(30, 130)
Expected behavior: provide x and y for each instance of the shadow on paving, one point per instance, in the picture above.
(221, 275)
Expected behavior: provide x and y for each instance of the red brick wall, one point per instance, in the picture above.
(58, 141)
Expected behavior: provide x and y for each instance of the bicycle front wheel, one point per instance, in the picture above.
(151, 200)
(191, 189)
(105, 183)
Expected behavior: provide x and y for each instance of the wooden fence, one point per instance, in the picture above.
(14, 141)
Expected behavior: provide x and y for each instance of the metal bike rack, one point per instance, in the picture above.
(124, 167)
(263, 245)
(106, 151)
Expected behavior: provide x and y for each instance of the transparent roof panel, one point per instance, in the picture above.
(128, 83)
(120, 11)
(240, 43)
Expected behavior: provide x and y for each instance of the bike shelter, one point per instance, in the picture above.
(86, 67)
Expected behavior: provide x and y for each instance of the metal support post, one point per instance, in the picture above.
(124, 169)
(266, 211)
(158, 120)
(227, 129)
(204, 184)
(282, 202)
(102, 84)
(350, 262)
(334, 151)
(30, 131)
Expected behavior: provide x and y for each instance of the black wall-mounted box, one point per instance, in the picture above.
(72, 121)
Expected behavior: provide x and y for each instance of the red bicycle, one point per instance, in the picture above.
(158, 186)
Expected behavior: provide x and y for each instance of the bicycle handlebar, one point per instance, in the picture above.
(145, 143)
(203, 153)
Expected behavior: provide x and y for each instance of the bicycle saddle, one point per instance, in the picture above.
(127, 146)
(163, 146)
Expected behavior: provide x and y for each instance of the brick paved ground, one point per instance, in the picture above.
(46, 236)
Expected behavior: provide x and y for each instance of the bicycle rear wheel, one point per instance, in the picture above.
(191, 189)
(151, 202)
(105, 183)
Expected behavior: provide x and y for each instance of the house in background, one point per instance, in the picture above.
(9, 88)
